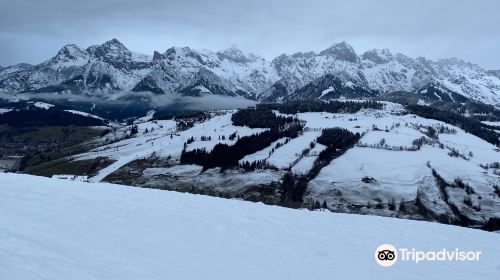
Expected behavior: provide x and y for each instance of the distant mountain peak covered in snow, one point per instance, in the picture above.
(70, 52)
(494, 73)
(379, 56)
(111, 66)
(234, 54)
(341, 51)
(112, 51)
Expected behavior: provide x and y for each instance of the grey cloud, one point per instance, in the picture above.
(203, 102)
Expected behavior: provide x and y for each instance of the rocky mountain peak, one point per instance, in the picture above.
(113, 43)
(453, 61)
(378, 56)
(304, 55)
(110, 50)
(341, 51)
(181, 54)
(170, 51)
(235, 54)
(494, 73)
(281, 62)
(157, 55)
(204, 82)
(68, 53)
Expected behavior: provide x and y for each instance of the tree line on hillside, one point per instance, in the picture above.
(181, 115)
(476, 110)
(262, 163)
(227, 156)
(302, 106)
(337, 142)
(185, 120)
(47, 117)
(260, 118)
(469, 125)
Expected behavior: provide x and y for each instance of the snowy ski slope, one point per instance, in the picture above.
(57, 229)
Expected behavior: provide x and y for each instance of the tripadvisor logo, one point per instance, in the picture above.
(386, 255)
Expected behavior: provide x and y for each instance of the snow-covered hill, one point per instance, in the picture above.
(111, 66)
(405, 155)
(58, 229)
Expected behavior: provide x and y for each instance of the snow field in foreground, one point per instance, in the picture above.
(55, 229)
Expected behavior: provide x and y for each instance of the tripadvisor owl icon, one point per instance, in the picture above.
(386, 255)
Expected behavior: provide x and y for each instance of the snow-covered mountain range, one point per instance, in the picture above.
(334, 72)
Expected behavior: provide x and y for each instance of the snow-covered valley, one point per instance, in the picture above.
(402, 166)
(59, 229)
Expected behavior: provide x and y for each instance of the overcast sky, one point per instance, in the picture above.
(33, 30)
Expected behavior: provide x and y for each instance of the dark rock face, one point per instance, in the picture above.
(281, 62)
(431, 202)
(234, 54)
(437, 92)
(329, 87)
(148, 84)
(378, 56)
(341, 51)
(494, 73)
(101, 81)
(157, 56)
(112, 52)
(205, 82)
(277, 92)
(69, 53)
(493, 224)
